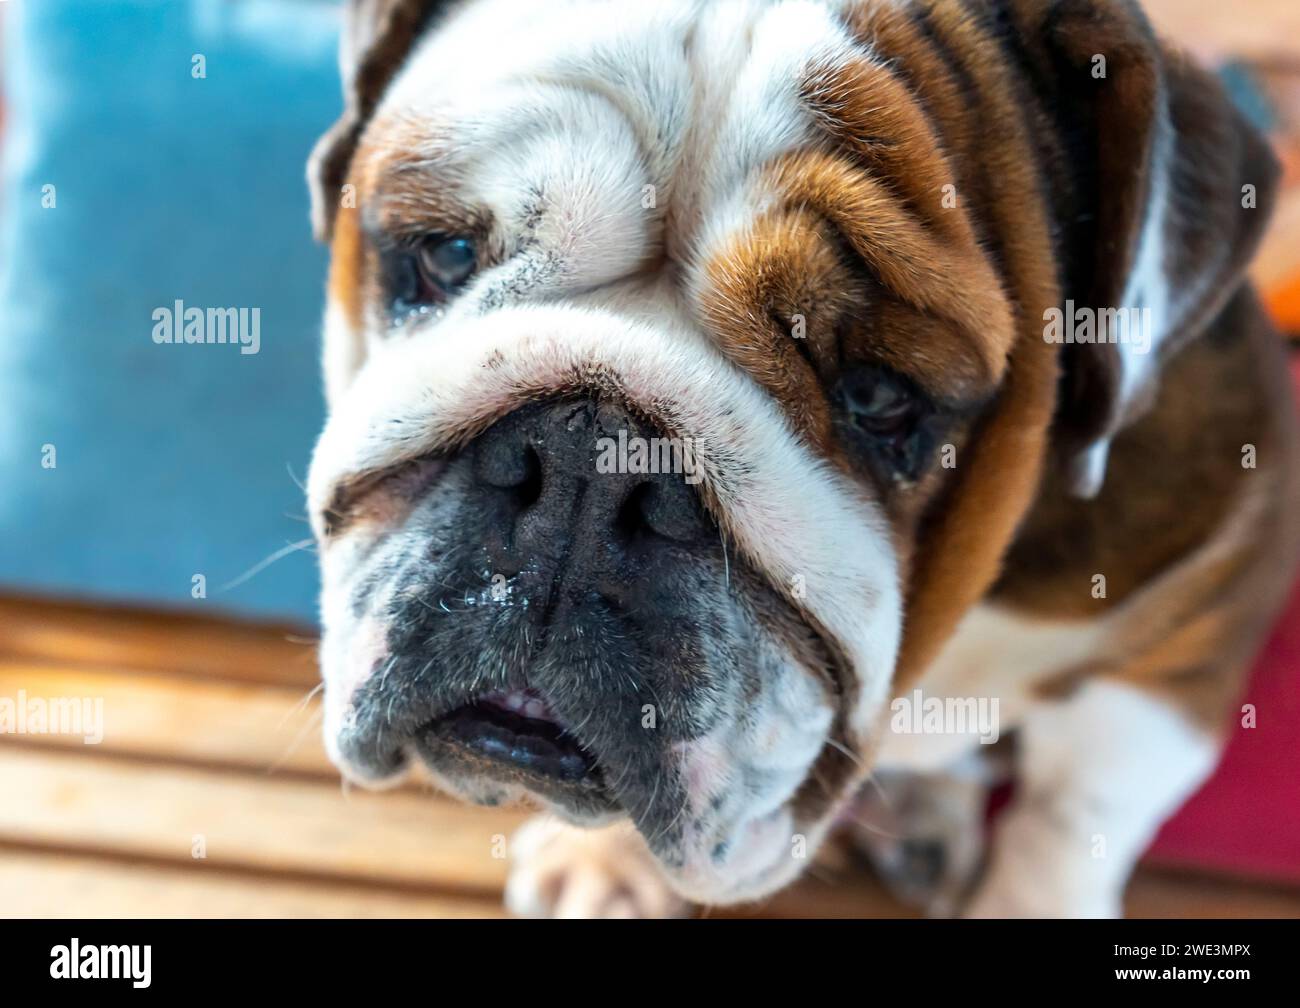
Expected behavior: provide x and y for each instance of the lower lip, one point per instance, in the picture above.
(518, 743)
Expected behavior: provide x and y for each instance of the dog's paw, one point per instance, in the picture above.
(565, 872)
(924, 836)
(1043, 868)
(999, 897)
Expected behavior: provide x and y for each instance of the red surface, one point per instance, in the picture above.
(1246, 819)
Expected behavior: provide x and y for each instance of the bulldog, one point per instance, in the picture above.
(939, 308)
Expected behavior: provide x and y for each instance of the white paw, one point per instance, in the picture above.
(561, 871)
(1042, 867)
(1001, 899)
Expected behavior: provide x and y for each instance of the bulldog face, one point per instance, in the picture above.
(669, 360)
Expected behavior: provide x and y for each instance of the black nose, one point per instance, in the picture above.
(583, 484)
(594, 517)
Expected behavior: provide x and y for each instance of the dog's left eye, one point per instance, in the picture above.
(431, 271)
(894, 419)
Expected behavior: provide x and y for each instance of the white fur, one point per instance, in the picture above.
(994, 653)
(1148, 284)
(560, 871)
(1098, 773)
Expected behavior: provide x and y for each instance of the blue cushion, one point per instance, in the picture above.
(170, 460)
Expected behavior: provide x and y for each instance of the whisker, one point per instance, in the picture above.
(839, 747)
(301, 704)
(312, 723)
(257, 568)
(288, 467)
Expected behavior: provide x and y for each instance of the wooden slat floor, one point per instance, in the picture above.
(210, 795)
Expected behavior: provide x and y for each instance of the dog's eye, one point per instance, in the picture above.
(893, 418)
(431, 271)
(447, 262)
(878, 402)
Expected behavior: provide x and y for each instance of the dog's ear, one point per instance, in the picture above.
(377, 36)
(1174, 194)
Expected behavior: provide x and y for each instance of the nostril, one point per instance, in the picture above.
(665, 507)
(530, 487)
(507, 461)
(630, 522)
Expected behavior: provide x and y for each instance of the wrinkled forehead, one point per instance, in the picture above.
(761, 152)
(676, 104)
(731, 70)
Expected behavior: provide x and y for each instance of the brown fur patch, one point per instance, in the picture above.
(346, 269)
(928, 270)
(774, 301)
(377, 36)
(1197, 549)
(1172, 479)
(400, 195)
(961, 541)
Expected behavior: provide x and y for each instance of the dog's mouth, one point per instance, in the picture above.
(517, 732)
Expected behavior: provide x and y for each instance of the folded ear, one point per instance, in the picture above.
(1178, 189)
(377, 36)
